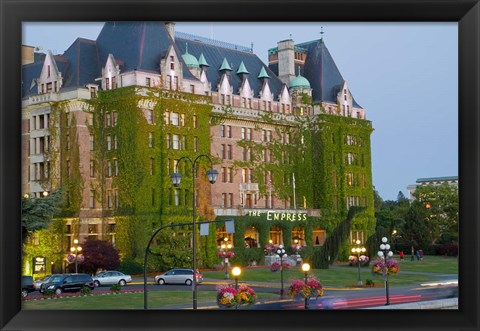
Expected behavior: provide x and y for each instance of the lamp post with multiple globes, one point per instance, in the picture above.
(385, 253)
(281, 252)
(359, 249)
(176, 178)
(225, 248)
(76, 249)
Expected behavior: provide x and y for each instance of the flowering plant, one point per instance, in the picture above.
(276, 266)
(392, 266)
(269, 248)
(297, 247)
(353, 259)
(312, 289)
(364, 259)
(228, 297)
(227, 255)
(245, 295)
(70, 257)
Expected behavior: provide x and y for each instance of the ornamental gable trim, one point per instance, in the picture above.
(50, 79)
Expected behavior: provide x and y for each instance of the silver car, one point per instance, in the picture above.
(39, 282)
(111, 277)
(178, 276)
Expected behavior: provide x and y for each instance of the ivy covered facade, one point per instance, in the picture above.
(108, 120)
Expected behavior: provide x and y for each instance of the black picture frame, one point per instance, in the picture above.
(465, 12)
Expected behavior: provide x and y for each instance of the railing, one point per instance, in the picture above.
(188, 36)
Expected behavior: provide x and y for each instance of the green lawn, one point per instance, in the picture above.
(433, 264)
(156, 299)
(344, 275)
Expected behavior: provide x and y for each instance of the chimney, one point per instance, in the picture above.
(27, 54)
(171, 29)
(286, 60)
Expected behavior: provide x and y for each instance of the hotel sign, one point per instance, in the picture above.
(279, 216)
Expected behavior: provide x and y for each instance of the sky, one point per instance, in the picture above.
(404, 74)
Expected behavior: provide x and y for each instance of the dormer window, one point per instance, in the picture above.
(93, 92)
(107, 83)
(172, 63)
(48, 71)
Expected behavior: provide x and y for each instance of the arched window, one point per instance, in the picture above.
(251, 237)
(276, 235)
(298, 236)
(221, 234)
(319, 236)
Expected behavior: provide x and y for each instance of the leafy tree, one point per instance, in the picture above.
(377, 199)
(440, 203)
(170, 250)
(415, 230)
(98, 254)
(37, 213)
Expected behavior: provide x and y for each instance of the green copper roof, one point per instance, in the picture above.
(190, 60)
(263, 73)
(242, 69)
(202, 61)
(437, 179)
(299, 81)
(225, 65)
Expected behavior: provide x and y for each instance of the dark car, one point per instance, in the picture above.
(27, 285)
(67, 283)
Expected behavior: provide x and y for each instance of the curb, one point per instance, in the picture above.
(434, 304)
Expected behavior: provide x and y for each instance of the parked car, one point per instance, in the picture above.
(27, 285)
(67, 283)
(111, 277)
(178, 276)
(40, 281)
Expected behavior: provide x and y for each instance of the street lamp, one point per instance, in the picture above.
(236, 271)
(359, 249)
(176, 177)
(281, 252)
(225, 248)
(306, 268)
(385, 253)
(76, 249)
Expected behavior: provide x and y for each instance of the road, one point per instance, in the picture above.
(334, 298)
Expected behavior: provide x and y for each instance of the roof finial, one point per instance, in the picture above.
(298, 70)
(252, 47)
(186, 48)
(321, 33)
(290, 36)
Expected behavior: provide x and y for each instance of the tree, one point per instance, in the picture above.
(170, 250)
(37, 213)
(440, 203)
(98, 254)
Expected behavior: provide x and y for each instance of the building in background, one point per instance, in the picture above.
(450, 180)
(108, 120)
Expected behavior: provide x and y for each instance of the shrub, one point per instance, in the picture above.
(85, 290)
(115, 288)
(448, 249)
(131, 267)
(48, 293)
(369, 282)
